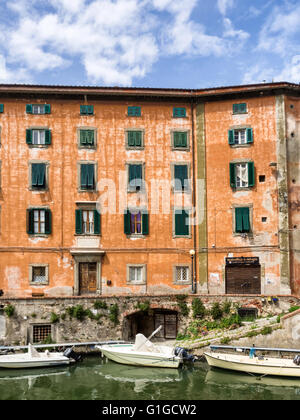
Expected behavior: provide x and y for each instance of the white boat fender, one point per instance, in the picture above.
(70, 354)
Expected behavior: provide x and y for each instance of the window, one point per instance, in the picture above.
(136, 274)
(38, 137)
(134, 139)
(1, 108)
(136, 222)
(180, 140)
(242, 220)
(240, 136)
(242, 175)
(135, 177)
(38, 109)
(239, 108)
(38, 176)
(87, 176)
(87, 138)
(182, 274)
(38, 221)
(134, 111)
(38, 274)
(180, 177)
(87, 222)
(181, 223)
(86, 109)
(179, 112)
(41, 333)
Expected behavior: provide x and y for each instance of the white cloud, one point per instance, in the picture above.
(224, 5)
(12, 76)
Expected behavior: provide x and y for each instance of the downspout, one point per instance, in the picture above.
(194, 260)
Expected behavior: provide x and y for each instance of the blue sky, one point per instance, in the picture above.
(149, 43)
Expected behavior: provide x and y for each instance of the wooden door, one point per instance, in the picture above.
(243, 280)
(169, 325)
(87, 278)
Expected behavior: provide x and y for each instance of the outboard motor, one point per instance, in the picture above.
(184, 354)
(297, 360)
(71, 354)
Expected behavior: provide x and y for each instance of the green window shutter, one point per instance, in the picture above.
(134, 138)
(246, 219)
(179, 112)
(83, 176)
(239, 219)
(134, 111)
(135, 176)
(87, 137)
(180, 139)
(127, 230)
(131, 138)
(87, 176)
(97, 222)
(47, 137)
(138, 138)
(91, 176)
(181, 223)
(251, 174)
(242, 219)
(48, 222)
(29, 136)
(145, 223)
(30, 222)
(47, 109)
(1, 108)
(239, 108)
(232, 175)
(90, 109)
(180, 176)
(83, 110)
(249, 135)
(29, 108)
(38, 175)
(78, 221)
(230, 136)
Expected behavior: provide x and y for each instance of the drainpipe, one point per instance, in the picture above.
(194, 260)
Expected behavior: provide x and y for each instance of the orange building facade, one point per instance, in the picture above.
(108, 191)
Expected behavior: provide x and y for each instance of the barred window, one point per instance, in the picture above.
(39, 274)
(182, 274)
(41, 333)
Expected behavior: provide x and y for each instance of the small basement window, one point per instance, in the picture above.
(41, 333)
(248, 313)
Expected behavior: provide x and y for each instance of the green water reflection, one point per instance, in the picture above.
(94, 379)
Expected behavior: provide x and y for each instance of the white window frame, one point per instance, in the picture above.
(31, 269)
(142, 269)
(241, 174)
(38, 136)
(240, 136)
(38, 109)
(175, 270)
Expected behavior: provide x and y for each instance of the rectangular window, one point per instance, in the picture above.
(239, 108)
(135, 177)
(242, 175)
(182, 274)
(87, 176)
(136, 222)
(39, 274)
(134, 111)
(86, 109)
(1, 108)
(136, 274)
(181, 179)
(134, 138)
(240, 136)
(179, 112)
(87, 138)
(242, 219)
(180, 139)
(38, 137)
(38, 109)
(87, 222)
(38, 176)
(181, 221)
(41, 333)
(39, 222)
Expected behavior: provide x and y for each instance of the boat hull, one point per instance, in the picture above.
(22, 361)
(123, 355)
(268, 366)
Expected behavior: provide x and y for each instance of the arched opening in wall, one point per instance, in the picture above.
(146, 322)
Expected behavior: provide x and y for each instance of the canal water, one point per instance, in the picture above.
(97, 379)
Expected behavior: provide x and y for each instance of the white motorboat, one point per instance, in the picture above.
(142, 353)
(254, 365)
(33, 359)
